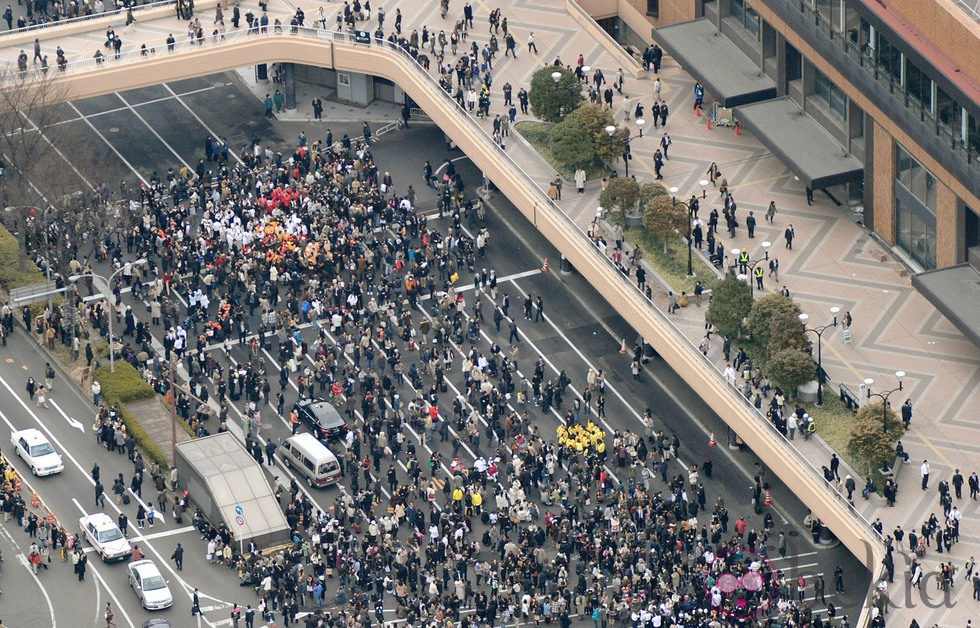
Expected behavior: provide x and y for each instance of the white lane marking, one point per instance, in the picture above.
(60, 153)
(72, 422)
(526, 273)
(109, 144)
(199, 120)
(47, 598)
(157, 515)
(137, 534)
(454, 160)
(792, 556)
(152, 130)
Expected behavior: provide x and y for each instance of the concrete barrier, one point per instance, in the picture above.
(337, 51)
(625, 60)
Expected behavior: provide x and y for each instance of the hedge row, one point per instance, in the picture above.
(123, 386)
(10, 274)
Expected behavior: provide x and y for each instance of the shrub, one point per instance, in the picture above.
(786, 331)
(125, 385)
(594, 119)
(572, 145)
(552, 101)
(665, 218)
(869, 437)
(763, 311)
(10, 274)
(731, 302)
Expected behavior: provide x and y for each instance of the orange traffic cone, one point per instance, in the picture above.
(708, 124)
(697, 112)
(711, 440)
(544, 268)
(737, 131)
(622, 347)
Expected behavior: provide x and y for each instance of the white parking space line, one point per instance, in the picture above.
(199, 120)
(109, 144)
(152, 130)
(59, 152)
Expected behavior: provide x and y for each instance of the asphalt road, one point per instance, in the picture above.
(139, 132)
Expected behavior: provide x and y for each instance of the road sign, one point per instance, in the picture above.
(362, 37)
(240, 520)
(239, 511)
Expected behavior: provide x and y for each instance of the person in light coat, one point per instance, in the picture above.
(580, 180)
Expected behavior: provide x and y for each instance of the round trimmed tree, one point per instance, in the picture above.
(550, 100)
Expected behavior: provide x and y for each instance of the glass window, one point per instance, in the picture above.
(737, 8)
(831, 94)
(916, 233)
(751, 21)
(918, 85)
(947, 111)
(653, 8)
(973, 134)
(889, 59)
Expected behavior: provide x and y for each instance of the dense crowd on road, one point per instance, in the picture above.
(523, 522)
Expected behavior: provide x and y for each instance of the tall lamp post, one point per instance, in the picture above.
(819, 332)
(105, 295)
(884, 397)
(704, 187)
(611, 130)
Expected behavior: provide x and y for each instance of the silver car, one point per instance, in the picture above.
(150, 585)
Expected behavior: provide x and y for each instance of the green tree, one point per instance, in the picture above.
(551, 100)
(665, 218)
(594, 119)
(619, 198)
(572, 145)
(731, 302)
(789, 369)
(763, 310)
(871, 439)
(786, 331)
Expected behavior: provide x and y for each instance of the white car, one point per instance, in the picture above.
(106, 537)
(34, 448)
(150, 586)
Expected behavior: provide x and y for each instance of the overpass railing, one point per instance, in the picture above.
(535, 190)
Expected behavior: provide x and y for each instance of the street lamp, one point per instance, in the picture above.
(900, 375)
(639, 124)
(735, 251)
(704, 187)
(611, 130)
(819, 332)
(105, 295)
(556, 76)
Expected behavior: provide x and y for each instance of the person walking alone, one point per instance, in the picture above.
(924, 469)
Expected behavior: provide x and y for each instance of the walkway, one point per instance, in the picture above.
(834, 261)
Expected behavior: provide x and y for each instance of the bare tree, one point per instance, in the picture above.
(28, 111)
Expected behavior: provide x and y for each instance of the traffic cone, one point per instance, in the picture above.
(544, 268)
(622, 347)
(697, 112)
(737, 131)
(711, 440)
(708, 123)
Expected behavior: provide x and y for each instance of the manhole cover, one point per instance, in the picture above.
(794, 533)
(113, 129)
(251, 123)
(232, 96)
(218, 84)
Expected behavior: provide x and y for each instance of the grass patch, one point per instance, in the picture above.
(538, 135)
(834, 423)
(672, 266)
(10, 274)
(126, 385)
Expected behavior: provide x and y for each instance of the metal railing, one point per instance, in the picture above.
(348, 39)
(63, 21)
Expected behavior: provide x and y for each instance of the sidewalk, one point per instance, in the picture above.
(834, 261)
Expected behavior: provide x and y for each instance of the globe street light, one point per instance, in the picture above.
(556, 76)
(735, 251)
(704, 187)
(900, 375)
(610, 131)
(819, 332)
(639, 124)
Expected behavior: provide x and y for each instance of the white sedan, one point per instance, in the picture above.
(150, 586)
(106, 537)
(37, 451)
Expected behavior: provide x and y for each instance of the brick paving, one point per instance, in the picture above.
(834, 261)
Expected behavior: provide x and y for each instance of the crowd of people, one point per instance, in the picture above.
(251, 249)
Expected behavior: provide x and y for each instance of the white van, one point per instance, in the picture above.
(311, 458)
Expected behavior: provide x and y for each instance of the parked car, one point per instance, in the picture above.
(322, 418)
(37, 451)
(106, 537)
(150, 585)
